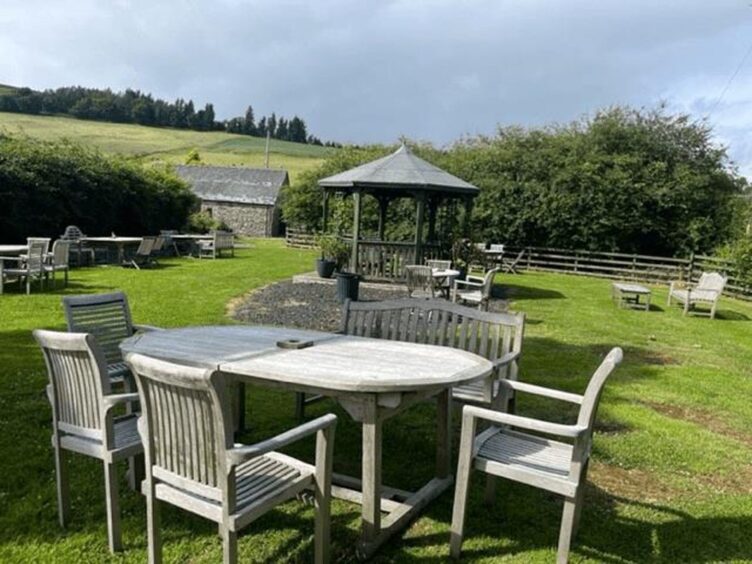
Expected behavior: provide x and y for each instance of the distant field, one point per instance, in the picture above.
(153, 144)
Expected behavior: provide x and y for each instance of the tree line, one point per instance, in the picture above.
(622, 179)
(134, 106)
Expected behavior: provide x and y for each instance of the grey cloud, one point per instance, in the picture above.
(370, 71)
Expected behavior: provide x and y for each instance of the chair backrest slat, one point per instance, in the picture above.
(78, 379)
(490, 335)
(106, 316)
(187, 429)
(146, 246)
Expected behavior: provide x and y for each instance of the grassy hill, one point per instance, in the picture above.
(153, 144)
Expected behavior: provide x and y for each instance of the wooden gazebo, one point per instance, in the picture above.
(399, 175)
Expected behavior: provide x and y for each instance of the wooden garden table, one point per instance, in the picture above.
(9, 250)
(118, 242)
(372, 379)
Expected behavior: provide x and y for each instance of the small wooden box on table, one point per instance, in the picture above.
(628, 295)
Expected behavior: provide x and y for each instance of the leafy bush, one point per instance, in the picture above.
(623, 180)
(333, 248)
(203, 222)
(45, 186)
(740, 253)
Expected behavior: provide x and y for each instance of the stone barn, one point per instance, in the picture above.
(246, 199)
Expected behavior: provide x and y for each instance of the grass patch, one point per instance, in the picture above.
(669, 481)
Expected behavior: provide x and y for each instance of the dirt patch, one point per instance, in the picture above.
(737, 482)
(651, 357)
(701, 417)
(630, 483)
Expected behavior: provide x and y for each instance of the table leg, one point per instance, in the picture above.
(371, 471)
(444, 434)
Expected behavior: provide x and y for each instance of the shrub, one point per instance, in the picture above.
(45, 186)
(203, 222)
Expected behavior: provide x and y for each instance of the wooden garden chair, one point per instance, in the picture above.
(143, 256)
(474, 291)
(108, 318)
(84, 420)
(439, 264)
(57, 260)
(27, 267)
(420, 281)
(495, 336)
(73, 235)
(186, 410)
(707, 291)
(513, 448)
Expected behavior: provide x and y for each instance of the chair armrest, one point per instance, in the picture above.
(468, 283)
(146, 328)
(240, 454)
(108, 402)
(506, 359)
(570, 431)
(16, 258)
(541, 391)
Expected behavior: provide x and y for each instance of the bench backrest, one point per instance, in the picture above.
(61, 252)
(223, 240)
(437, 322)
(72, 233)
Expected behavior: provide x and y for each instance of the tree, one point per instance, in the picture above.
(297, 130)
(249, 123)
(271, 125)
(281, 132)
(261, 128)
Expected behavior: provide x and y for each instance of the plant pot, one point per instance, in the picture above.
(325, 267)
(347, 286)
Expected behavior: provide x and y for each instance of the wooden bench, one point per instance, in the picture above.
(214, 247)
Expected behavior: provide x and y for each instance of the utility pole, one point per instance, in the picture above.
(266, 154)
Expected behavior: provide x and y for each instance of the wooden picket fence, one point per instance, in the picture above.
(624, 266)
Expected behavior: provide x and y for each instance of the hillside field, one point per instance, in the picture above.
(155, 144)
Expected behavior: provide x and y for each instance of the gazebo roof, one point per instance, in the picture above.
(400, 171)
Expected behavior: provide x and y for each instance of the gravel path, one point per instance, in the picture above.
(310, 306)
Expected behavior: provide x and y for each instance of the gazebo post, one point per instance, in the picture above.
(468, 216)
(433, 204)
(356, 230)
(325, 211)
(420, 198)
(383, 205)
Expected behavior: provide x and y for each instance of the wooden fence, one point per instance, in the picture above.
(299, 239)
(623, 266)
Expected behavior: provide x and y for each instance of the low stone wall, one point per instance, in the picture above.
(245, 219)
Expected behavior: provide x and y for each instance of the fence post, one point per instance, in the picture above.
(634, 266)
(528, 258)
(690, 267)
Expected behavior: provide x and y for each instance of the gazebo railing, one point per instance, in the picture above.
(385, 260)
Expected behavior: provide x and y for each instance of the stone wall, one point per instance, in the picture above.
(245, 219)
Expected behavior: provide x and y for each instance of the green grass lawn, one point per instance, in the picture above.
(158, 144)
(671, 478)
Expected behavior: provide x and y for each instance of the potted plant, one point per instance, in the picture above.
(464, 254)
(333, 255)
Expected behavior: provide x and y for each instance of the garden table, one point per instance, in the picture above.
(628, 295)
(13, 249)
(117, 242)
(373, 380)
(444, 278)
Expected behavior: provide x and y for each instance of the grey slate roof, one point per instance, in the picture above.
(401, 169)
(244, 185)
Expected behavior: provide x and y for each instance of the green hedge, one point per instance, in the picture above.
(641, 181)
(45, 186)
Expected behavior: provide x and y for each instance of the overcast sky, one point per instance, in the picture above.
(361, 71)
